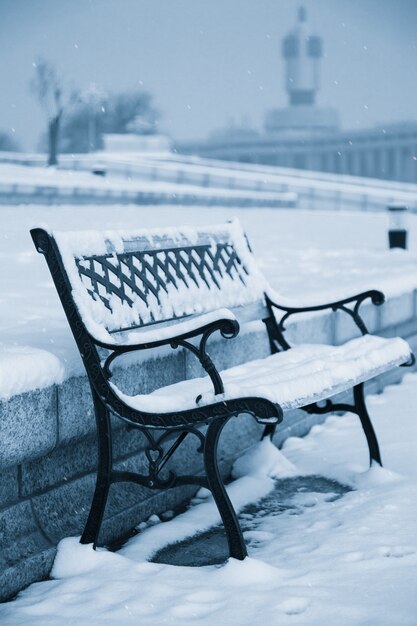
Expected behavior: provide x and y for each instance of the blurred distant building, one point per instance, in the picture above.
(134, 143)
(302, 51)
(306, 136)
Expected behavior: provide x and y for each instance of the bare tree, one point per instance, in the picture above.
(47, 87)
(130, 111)
(95, 113)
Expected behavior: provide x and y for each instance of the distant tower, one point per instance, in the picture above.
(302, 51)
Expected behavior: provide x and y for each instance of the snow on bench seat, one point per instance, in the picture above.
(305, 374)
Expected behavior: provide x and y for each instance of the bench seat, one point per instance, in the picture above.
(298, 377)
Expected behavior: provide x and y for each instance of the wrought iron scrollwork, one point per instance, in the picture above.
(276, 327)
(144, 273)
(157, 457)
(228, 329)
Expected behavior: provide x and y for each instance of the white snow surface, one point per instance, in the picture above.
(314, 256)
(307, 373)
(23, 368)
(349, 561)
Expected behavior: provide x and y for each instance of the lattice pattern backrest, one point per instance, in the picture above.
(133, 280)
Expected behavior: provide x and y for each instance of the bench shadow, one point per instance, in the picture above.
(290, 495)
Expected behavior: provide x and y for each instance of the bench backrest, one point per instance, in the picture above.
(126, 280)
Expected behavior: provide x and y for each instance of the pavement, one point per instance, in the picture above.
(210, 547)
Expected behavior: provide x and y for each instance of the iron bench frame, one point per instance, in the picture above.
(183, 423)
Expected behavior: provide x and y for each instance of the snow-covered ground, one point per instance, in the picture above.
(349, 560)
(302, 253)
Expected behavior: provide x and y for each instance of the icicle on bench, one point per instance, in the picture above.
(132, 291)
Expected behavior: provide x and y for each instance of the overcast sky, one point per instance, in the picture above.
(207, 61)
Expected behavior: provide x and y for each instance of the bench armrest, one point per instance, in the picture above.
(377, 298)
(177, 335)
(221, 319)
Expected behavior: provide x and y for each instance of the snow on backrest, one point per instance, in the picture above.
(123, 280)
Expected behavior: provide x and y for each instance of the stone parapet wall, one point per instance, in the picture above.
(48, 446)
(23, 193)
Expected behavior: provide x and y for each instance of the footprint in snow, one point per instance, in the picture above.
(257, 536)
(354, 557)
(396, 551)
(246, 516)
(193, 610)
(294, 606)
(301, 548)
(324, 525)
(205, 596)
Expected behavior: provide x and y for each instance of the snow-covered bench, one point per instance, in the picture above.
(134, 291)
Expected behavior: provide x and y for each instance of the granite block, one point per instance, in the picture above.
(76, 458)
(406, 329)
(229, 352)
(20, 536)
(371, 315)
(346, 329)
(59, 466)
(129, 504)
(9, 486)
(239, 433)
(28, 426)
(179, 497)
(118, 526)
(318, 328)
(63, 511)
(397, 310)
(126, 441)
(124, 495)
(26, 571)
(247, 346)
(75, 409)
(186, 459)
(151, 372)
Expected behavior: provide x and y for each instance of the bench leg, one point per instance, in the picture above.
(104, 469)
(269, 431)
(362, 412)
(237, 547)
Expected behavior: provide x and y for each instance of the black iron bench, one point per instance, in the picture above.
(130, 291)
